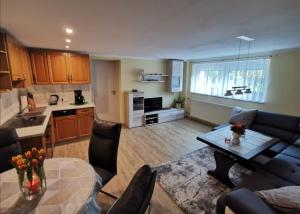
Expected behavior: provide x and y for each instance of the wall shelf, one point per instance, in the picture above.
(151, 77)
(147, 81)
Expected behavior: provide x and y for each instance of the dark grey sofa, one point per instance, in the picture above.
(282, 170)
(284, 127)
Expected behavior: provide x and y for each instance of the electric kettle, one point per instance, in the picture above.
(53, 100)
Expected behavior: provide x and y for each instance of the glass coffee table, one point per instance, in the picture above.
(252, 145)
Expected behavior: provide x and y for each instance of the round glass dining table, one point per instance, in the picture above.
(72, 185)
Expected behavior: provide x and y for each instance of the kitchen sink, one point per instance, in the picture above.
(37, 112)
(25, 121)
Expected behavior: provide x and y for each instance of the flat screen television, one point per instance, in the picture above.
(152, 104)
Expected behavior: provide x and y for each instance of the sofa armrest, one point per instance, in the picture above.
(243, 201)
(220, 126)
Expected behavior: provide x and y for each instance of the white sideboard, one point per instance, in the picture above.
(162, 116)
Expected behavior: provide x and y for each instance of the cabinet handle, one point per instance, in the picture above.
(68, 78)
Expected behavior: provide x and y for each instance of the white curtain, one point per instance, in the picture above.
(216, 77)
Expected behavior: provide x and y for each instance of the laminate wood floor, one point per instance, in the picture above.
(151, 145)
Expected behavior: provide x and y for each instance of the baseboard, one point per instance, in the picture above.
(205, 122)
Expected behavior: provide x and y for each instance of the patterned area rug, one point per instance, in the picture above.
(187, 182)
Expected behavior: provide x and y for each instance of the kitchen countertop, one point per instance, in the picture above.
(36, 131)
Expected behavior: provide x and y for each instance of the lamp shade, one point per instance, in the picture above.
(228, 93)
(248, 91)
(238, 92)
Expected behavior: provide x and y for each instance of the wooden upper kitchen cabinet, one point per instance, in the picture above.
(65, 68)
(58, 67)
(14, 55)
(20, 67)
(85, 118)
(39, 67)
(79, 68)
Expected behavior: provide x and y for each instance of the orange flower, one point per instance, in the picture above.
(20, 162)
(41, 152)
(41, 158)
(14, 159)
(28, 155)
(34, 162)
(34, 150)
(22, 167)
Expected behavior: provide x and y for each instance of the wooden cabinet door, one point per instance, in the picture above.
(39, 67)
(58, 67)
(14, 55)
(79, 68)
(65, 128)
(27, 73)
(85, 118)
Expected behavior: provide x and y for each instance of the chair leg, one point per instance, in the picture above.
(108, 194)
(149, 208)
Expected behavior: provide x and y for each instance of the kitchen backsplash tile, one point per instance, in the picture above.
(41, 93)
(9, 105)
(9, 101)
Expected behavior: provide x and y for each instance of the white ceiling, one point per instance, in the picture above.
(183, 29)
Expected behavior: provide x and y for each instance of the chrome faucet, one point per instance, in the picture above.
(22, 110)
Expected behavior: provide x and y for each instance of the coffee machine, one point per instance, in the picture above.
(79, 98)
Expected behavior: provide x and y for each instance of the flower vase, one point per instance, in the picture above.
(42, 176)
(235, 140)
(29, 183)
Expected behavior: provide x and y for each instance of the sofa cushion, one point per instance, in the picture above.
(262, 180)
(293, 151)
(284, 199)
(282, 134)
(286, 167)
(280, 121)
(242, 116)
(276, 149)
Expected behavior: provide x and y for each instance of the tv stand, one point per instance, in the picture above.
(164, 115)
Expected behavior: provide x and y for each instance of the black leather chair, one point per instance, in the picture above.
(103, 150)
(136, 198)
(9, 146)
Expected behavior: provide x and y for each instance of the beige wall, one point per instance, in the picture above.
(283, 93)
(129, 80)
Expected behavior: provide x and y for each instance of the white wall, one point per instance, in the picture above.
(283, 93)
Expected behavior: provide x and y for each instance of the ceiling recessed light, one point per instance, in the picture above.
(68, 40)
(67, 46)
(69, 30)
(246, 38)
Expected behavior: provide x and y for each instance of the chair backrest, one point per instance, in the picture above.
(9, 146)
(104, 143)
(137, 196)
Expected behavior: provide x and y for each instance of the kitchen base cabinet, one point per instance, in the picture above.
(85, 118)
(72, 124)
(65, 128)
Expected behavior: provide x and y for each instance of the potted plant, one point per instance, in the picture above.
(179, 102)
(238, 130)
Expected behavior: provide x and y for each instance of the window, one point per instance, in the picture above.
(216, 77)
